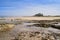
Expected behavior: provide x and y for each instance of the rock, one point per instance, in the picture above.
(57, 26)
(6, 27)
(35, 36)
(42, 25)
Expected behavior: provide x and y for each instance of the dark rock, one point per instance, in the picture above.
(55, 26)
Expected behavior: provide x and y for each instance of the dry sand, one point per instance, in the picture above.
(32, 18)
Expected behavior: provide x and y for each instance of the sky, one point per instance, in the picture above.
(29, 7)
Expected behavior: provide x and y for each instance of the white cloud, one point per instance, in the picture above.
(45, 9)
(31, 10)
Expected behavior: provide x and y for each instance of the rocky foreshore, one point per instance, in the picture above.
(36, 36)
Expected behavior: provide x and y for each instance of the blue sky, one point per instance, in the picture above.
(29, 7)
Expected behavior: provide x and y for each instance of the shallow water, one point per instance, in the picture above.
(8, 35)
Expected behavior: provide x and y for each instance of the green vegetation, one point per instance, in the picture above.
(39, 14)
